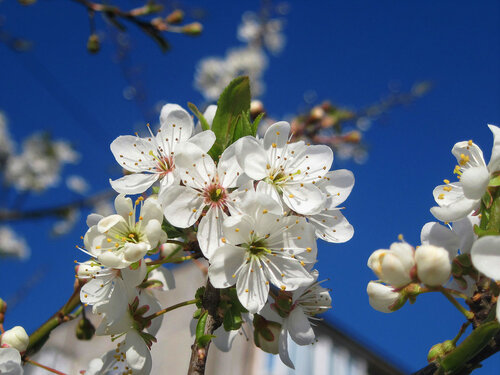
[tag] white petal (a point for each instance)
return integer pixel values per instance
(230, 173)
(203, 140)
(10, 362)
(109, 222)
(196, 168)
(473, 151)
(485, 254)
(332, 226)
(312, 161)
(475, 181)
(277, 136)
(251, 287)
(299, 327)
(123, 206)
(165, 276)
(337, 185)
(96, 290)
(269, 190)
(305, 200)
(494, 164)
(137, 352)
(251, 157)
(223, 339)
(438, 235)
(182, 206)
(465, 230)
(93, 219)
(109, 259)
(153, 233)
(134, 183)
(132, 153)
(134, 277)
(210, 231)
(151, 210)
(224, 264)
(456, 211)
(176, 123)
(132, 252)
(237, 229)
(283, 349)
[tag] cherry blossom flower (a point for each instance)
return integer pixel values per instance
(11, 244)
(10, 362)
(119, 240)
(152, 158)
(458, 199)
(288, 171)
(206, 185)
(305, 303)
(433, 265)
(384, 298)
(261, 247)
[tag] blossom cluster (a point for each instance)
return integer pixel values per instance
(460, 258)
(254, 211)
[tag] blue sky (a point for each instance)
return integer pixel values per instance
(347, 52)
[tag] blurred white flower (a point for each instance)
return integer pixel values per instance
(268, 32)
(77, 184)
(11, 244)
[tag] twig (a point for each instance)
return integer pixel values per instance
(199, 354)
(170, 308)
(50, 369)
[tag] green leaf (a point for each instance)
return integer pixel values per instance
(484, 232)
(203, 121)
(234, 100)
(494, 218)
(256, 122)
(172, 232)
(471, 346)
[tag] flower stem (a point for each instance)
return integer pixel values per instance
(170, 308)
(168, 260)
(468, 314)
(460, 333)
(43, 366)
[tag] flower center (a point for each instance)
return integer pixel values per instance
(257, 248)
(215, 195)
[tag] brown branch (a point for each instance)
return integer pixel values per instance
(199, 354)
(61, 210)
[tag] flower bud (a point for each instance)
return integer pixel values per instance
(177, 16)
(393, 266)
(256, 108)
(85, 329)
(93, 43)
(15, 338)
(3, 309)
(193, 29)
(433, 265)
(383, 298)
(440, 350)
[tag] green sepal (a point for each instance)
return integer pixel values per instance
(495, 181)
(484, 232)
(487, 199)
(135, 265)
(470, 347)
(151, 284)
(155, 189)
(494, 217)
(234, 100)
(203, 121)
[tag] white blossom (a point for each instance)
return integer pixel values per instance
(119, 240)
(382, 298)
(206, 185)
(152, 158)
(458, 199)
(287, 171)
(254, 31)
(11, 244)
(433, 265)
(261, 247)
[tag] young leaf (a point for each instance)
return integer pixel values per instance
(234, 100)
(256, 122)
(203, 121)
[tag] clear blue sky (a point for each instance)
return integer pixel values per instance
(347, 52)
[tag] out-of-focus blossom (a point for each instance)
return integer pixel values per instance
(6, 143)
(77, 184)
(269, 32)
(11, 244)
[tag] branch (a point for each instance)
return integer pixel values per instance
(61, 210)
(198, 353)
(41, 335)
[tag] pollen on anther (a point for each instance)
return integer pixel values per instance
(446, 181)
(223, 240)
(246, 290)
(274, 145)
(291, 196)
(308, 249)
(265, 211)
(194, 210)
(283, 287)
(237, 230)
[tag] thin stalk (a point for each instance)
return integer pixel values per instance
(468, 314)
(43, 366)
(170, 308)
(168, 260)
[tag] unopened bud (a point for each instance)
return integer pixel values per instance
(383, 298)
(256, 108)
(177, 16)
(193, 29)
(440, 350)
(26, 2)
(317, 113)
(85, 329)
(3, 309)
(353, 137)
(15, 338)
(433, 265)
(93, 43)
(393, 266)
